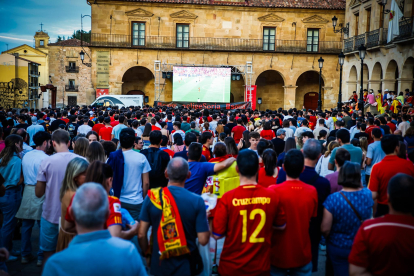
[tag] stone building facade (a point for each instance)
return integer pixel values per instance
(282, 40)
(69, 75)
(387, 65)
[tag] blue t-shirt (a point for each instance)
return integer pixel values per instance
(199, 173)
(345, 222)
(184, 155)
(193, 216)
(376, 153)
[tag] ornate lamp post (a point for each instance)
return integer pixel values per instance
(341, 58)
(320, 84)
(344, 30)
(362, 51)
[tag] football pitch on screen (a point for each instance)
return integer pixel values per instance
(203, 89)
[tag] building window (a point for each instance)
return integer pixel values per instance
(42, 43)
(381, 16)
(368, 27)
(72, 84)
(183, 35)
(72, 65)
(138, 33)
(356, 24)
(313, 40)
(269, 35)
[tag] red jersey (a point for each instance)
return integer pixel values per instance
(369, 131)
(105, 133)
(267, 134)
(265, 180)
(114, 218)
(383, 171)
(97, 127)
(112, 119)
(246, 216)
(312, 119)
(207, 153)
(66, 120)
(385, 245)
(114, 123)
(292, 247)
(392, 127)
(155, 128)
(238, 133)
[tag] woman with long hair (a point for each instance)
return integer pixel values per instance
(290, 143)
(145, 135)
(178, 143)
(343, 214)
(95, 152)
(363, 144)
(269, 173)
(322, 165)
(73, 179)
(11, 171)
(244, 141)
(92, 136)
(80, 147)
(219, 128)
(267, 132)
(231, 146)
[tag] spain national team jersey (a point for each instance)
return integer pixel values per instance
(246, 216)
(114, 218)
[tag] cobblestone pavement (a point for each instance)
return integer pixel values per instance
(30, 269)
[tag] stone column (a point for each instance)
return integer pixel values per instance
(388, 84)
(328, 98)
(405, 84)
(115, 88)
(375, 85)
(289, 97)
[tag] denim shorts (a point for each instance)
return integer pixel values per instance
(49, 233)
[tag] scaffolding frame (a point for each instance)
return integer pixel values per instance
(246, 71)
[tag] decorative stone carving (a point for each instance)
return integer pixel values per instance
(183, 14)
(271, 17)
(140, 13)
(315, 19)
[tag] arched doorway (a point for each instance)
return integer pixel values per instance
(308, 82)
(270, 88)
(352, 83)
(391, 76)
(138, 80)
(376, 77)
(310, 100)
(407, 75)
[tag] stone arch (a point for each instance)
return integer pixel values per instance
(377, 73)
(407, 74)
(391, 75)
(365, 71)
(138, 78)
(307, 82)
(352, 82)
(270, 88)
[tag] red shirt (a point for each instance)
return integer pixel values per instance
(292, 247)
(114, 123)
(383, 171)
(313, 120)
(105, 133)
(155, 128)
(209, 119)
(267, 134)
(112, 119)
(246, 215)
(392, 127)
(206, 152)
(385, 245)
(369, 131)
(97, 127)
(265, 180)
(114, 218)
(170, 152)
(66, 120)
(238, 133)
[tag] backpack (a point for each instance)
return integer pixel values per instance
(154, 160)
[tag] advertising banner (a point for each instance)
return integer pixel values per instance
(200, 105)
(101, 92)
(250, 95)
(102, 69)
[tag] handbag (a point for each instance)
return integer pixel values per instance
(353, 208)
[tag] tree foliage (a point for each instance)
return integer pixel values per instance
(86, 36)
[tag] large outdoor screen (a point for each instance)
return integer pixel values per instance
(202, 84)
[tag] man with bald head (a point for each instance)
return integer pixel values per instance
(94, 251)
(191, 221)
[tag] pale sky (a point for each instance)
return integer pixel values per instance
(20, 19)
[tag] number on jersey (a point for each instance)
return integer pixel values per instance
(253, 237)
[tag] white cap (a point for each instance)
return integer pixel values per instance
(386, 90)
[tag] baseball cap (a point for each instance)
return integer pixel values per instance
(47, 119)
(280, 131)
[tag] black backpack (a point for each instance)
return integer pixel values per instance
(153, 157)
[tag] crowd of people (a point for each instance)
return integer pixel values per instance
(142, 190)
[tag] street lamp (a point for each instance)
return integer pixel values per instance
(362, 50)
(259, 101)
(82, 55)
(320, 84)
(50, 79)
(342, 29)
(341, 59)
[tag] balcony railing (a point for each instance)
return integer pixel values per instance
(348, 45)
(406, 29)
(373, 38)
(72, 69)
(34, 73)
(71, 88)
(359, 40)
(210, 44)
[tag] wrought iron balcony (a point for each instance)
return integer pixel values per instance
(210, 44)
(71, 88)
(348, 45)
(71, 69)
(406, 29)
(373, 38)
(359, 40)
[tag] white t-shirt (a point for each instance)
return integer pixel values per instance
(135, 165)
(289, 132)
(30, 165)
(301, 130)
(84, 129)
